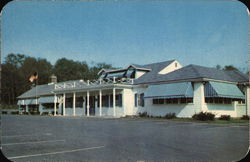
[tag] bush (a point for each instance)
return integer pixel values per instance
(170, 116)
(15, 112)
(45, 113)
(4, 112)
(203, 116)
(245, 117)
(35, 113)
(25, 113)
(144, 114)
(225, 117)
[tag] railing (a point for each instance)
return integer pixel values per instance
(83, 84)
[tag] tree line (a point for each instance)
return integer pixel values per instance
(16, 70)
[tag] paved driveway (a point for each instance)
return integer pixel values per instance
(47, 138)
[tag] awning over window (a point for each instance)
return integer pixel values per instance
(48, 99)
(117, 75)
(174, 90)
(226, 90)
(20, 102)
(30, 102)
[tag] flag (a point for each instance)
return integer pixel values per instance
(33, 77)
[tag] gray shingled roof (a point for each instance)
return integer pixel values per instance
(39, 91)
(191, 72)
(187, 72)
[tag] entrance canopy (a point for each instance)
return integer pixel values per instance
(173, 90)
(47, 99)
(225, 90)
(30, 102)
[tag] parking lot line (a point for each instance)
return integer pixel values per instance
(21, 143)
(24, 135)
(53, 153)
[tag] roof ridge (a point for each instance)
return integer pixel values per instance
(195, 70)
(159, 62)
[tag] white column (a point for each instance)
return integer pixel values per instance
(123, 106)
(114, 113)
(27, 108)
(100, 102)
(55, 104)
(87, 103)
(247, 101)
(64, 97)
(199, 97)
(74, 104)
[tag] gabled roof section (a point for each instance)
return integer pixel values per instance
(193, 72)
(44, 89)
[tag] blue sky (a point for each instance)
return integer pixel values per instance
(198, 32)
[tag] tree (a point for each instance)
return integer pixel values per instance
(66, 69)
(93, 71)
(16, 71)
(218, 67)
(230, 67)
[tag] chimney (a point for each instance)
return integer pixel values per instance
(52, 79)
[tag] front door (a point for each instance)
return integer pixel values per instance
(91, 105)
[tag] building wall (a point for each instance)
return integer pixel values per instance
(171, 68)
(248, 99)
(109, 111)
(181, 110)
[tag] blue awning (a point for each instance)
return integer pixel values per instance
(226, 90)
(30, 102)
(174, 90)
(20, 102)
(47, 99)
(117, 74)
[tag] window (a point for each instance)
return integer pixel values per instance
(111, 100)
(79, 101)
(118, 100)
(158, 101)
(105, 101)
(69, 102)
(136, 99)
(221, 100)
(49, 105)
(227, 101)
(141, 100)
(176, 64)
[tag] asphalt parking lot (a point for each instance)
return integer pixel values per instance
(48, 138)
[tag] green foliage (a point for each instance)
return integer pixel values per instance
(203, 116)
(143, 114)
(245, 117)
(225, 117)
(15, 112)
(230, 67)
(170, 116)
(17, 69)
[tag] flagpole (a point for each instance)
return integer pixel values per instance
(36, 87)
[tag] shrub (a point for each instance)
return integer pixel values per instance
(25, 113)
(35, 113)
(45, 113)
(245, 117)
(203, 116)
(170, 116)
(144, 114)
(15, 112)
(4, 112)
(225, 117)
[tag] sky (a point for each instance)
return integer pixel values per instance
(201, 32)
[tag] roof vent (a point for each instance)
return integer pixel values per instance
(52, 79)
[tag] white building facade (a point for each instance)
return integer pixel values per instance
(157, 89)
